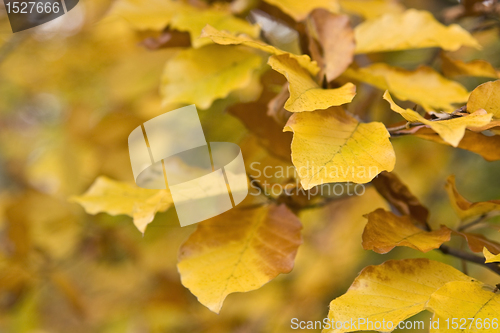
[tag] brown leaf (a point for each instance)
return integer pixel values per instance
(254, 116)
(477, 242)
(389, 186)
(336, 38)
(466, 209)
(384, 231)
(486, 146)
(276, 106)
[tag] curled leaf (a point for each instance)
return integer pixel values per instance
(490, 257)
(384, 231)
(451, 130)
(225, 38)
(115, 198)
(305, 93)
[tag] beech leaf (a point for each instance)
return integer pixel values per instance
(332, 146)
(305, 93)
(487, 97)
(372, 8)
(451, 130)
(116, 198)
(238, 251)
(412, 29)
(200, 76)
(225, 38)
(423, 85)
(455, 68)
(392, 291)
(490, 257)
(384, 231)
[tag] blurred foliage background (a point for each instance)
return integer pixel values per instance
(70, 93)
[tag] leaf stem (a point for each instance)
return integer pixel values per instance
(473, 223)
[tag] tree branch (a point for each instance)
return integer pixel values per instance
(469, 257)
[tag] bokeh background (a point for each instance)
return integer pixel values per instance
(70, 93)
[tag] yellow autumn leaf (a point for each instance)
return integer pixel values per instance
(225, 38)
(384, 231)
(391, 292)
(200, 76)
(412, 29)
(471, 300)
(332, 146)
(423, 85)
(454, 67)
(299, 10)
(156, 15)
(450, 130)
(238, 251)
(371, 8)
(466, 209)
(305, 93)
(490, 257)
(116, 198)
(486, 96)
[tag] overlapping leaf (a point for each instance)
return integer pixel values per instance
(305, 93)
(486, 146)
(335, 37)
(423, 86)
(384, 231)
(487, 97)
(156, 15)
(490, 257)
(224, 38)
(466, 209)
(332, 146)
(238, 251)
(115, 198)
(451, 130)
(469, 300)
(200, 76)
(409, 30)
(391, 292)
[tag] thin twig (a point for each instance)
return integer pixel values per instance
(469, 257)
(473, 223)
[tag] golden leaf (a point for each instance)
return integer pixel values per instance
(335, 35)
(200, 76)
(371, 8)
(466, 209)
(115, 198)
(423, 86)
(156, 15)
(305, 93)
(393, 291)
(412, 29)
(465, 299)
(384, 231)
(454, 67)
(332, 146)
(451, 130)
(224, 38)
(299, 10)
(238, 251)
(486, 96)
(490, 257)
